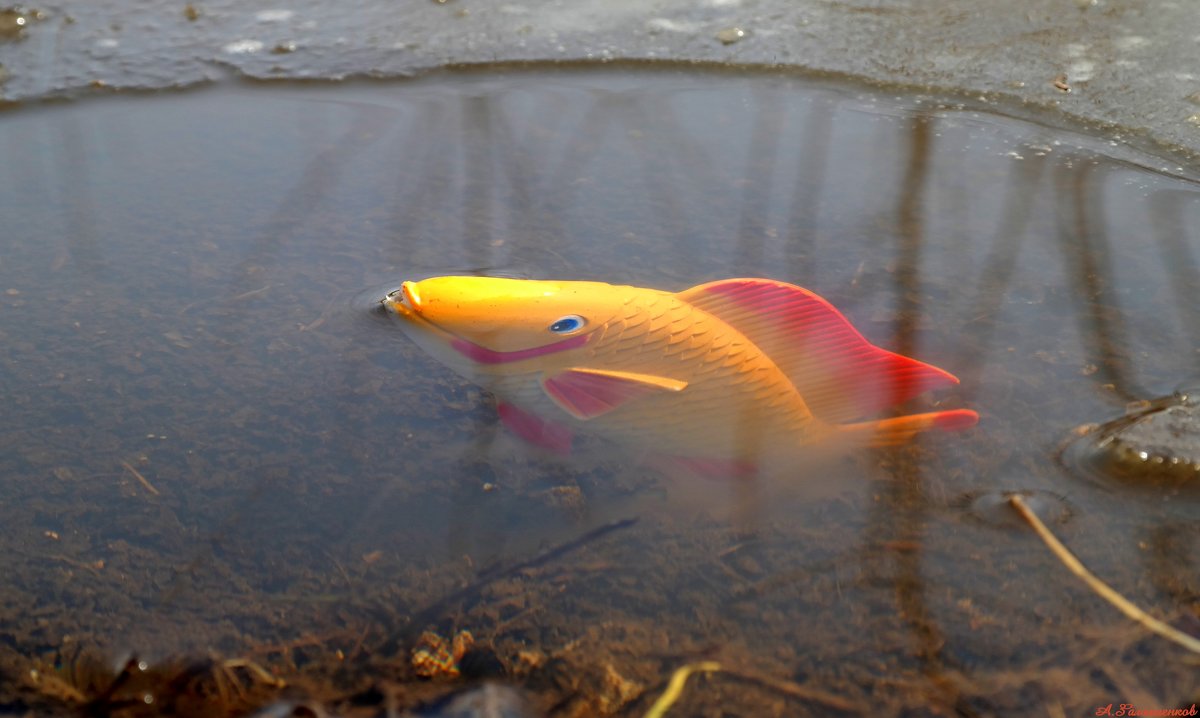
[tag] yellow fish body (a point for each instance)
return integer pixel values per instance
(731, 374)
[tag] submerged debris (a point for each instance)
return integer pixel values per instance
(178, 686)
(434, 656)
(1156, 442)
(14, 20)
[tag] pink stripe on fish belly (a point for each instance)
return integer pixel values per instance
(483, 355)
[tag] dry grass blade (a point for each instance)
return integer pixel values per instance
(675, 687)
(1076, 567)
(260, 673)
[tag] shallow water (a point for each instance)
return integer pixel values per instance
(211, 443)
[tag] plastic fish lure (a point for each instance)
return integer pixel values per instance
(725, 375)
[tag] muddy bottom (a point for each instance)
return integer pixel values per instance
(225, 481)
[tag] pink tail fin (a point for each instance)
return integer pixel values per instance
(840, 374)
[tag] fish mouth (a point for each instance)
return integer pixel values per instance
(403, 301)
(410, 295)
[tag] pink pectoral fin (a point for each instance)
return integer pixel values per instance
(535, 430)
(588, 393)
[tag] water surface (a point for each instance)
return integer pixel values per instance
(210, 443)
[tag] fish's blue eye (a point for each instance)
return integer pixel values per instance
(568, 324)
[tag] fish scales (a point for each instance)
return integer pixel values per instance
(728, 374)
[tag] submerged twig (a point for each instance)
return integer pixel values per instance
(94, 567)
(341, 569)
(792, 690)
(309, 641)
(244, 295)
(471, 591)
(141, 479)
(251, 293)
(262, 674)
(51, 685)
(1106, 592)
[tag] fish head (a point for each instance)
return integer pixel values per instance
(501, 325)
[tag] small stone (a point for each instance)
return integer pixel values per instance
(274, 15)
(243, 47)
(730, 35)
(1154, 443)
(434, 656)
(191, 13)
(13, 21)
(1195, 120)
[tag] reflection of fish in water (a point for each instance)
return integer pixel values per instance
(723, 376)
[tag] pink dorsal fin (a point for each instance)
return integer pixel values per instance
(588, 393)
(839, 374)
(535, 430)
